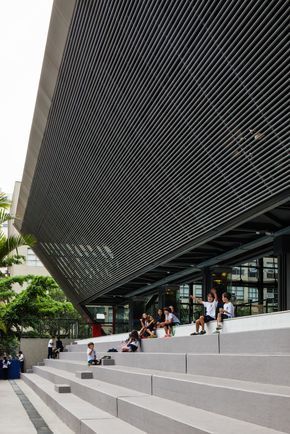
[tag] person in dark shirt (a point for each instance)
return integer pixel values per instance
(58, 347)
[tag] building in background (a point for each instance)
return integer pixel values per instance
(158, 160)
(31, 264)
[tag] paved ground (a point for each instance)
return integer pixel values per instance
(14, 418)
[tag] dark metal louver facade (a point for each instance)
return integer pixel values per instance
(168, 122)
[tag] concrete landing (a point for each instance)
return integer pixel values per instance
(14, 418)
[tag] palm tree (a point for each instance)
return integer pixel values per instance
(10, 244)
(4, 202)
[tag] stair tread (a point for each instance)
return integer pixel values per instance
(248, 386)
(90, 415)
(201, 419)
(104, 387)
(191, 416)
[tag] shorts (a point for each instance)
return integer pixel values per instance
(208, 318)
(225, 316)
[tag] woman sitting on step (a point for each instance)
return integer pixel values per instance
(133, 343)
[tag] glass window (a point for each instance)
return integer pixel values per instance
(197, 290)
(252, 272)
(253, 294)
(184, 291)
(239, 293)
(32, 260)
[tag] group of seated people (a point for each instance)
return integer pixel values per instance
(214, 310)
(166, 318)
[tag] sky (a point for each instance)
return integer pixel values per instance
(23, 32)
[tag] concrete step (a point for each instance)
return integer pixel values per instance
(80, 416)
(263, 404)
(127, 377)
(269, 368)
(148, 413)
(100, 346)
(102, 395)
(178, 344)
(272, 341)
(173, 362)
(156, 415)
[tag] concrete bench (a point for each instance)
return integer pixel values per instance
(62, 388)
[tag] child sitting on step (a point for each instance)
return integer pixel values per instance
(227, 311)
(91, 355)
(133, 343)
(210, 311)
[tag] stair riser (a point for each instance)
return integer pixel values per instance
(274, 341)
(102, 346)
(151, 422)
(134, 381)
(267, 410)
(261, 369)
(95, 397)
(165, 362)
(65, 415)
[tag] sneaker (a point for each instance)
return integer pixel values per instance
(219, 327)
(202, 332)
(194, 334)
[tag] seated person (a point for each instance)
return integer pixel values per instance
(227, 311)
(133, 343)
(151, 327)
(210, 311)
(144, 324)
(91, 355)
(170, 321)
(160, 318)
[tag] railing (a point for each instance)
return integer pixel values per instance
(191, 312)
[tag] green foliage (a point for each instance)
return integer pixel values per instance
(9, 345)
(41, 301)
(8, 245)
(4, 202)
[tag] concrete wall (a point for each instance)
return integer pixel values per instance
(35, 350)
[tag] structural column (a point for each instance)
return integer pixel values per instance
(282, 250)
(206, 282)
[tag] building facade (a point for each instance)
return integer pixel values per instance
(159, 152)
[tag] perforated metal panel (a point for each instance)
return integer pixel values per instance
(169, 119)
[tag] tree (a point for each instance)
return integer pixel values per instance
(9, 245)
(38, 305)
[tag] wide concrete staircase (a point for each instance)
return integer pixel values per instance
(235, 383)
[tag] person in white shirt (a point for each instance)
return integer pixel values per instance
(228, 310)
(21, 360)
(5, 367)
(210, 311)
(50, 347)
(170, 321)
(91, 355)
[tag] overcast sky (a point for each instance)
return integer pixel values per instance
(23, 32)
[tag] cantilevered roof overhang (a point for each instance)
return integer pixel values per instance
(159, 143)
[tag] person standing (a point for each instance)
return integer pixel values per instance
(50, 347)
(5, 366)
(58, 347)
(21, 360)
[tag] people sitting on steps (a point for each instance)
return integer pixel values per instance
(227, 311)
(171, 320)
(132, 344)
(91, 355)
(210, 311)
